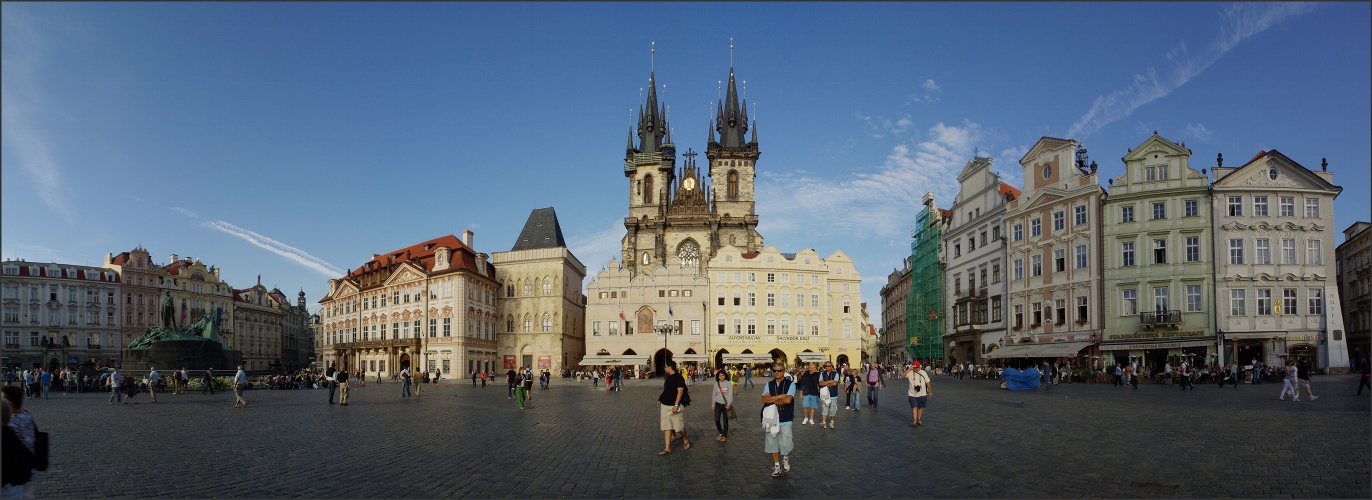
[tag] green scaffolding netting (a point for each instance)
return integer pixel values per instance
(924, 305)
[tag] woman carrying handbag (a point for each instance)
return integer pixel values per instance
(724, 404)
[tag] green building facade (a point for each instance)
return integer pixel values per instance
(924, 306)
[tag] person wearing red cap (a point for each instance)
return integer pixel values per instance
(919, 392)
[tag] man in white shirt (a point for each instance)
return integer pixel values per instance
(919, 392)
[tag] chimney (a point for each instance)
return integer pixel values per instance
(467, 235)
(173, 259)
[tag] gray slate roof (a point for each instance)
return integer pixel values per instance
(541, 231)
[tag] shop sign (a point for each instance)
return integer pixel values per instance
(545, 362)
(1307, 337)
(509, 361)
(756, 339)
(1156, 335)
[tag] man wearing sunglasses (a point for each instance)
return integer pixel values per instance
(779, 393)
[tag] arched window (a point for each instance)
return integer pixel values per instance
(547, 322)
(689, 253)
(528, 287)
(733, 185)
(645, 258)
(647, 189)
(528, 323)
(547, 286)
(509, 289)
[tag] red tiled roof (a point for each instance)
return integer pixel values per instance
(120, 259)
(1008, 189)
(174, 267)
(422, 255)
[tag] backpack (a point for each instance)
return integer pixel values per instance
(685, 393)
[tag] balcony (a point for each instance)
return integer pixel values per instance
(1160, 318)
(11, 345)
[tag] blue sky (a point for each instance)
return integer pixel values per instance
(294, 140)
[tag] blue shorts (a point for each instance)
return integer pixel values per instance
(809, 402)
(918, 402)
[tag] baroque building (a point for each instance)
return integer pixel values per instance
(59, 315)
(140, 293)
(1159, 272)
(974, 247)
(1053, 252)
(892, 335)
(1274, 263)
(1355, 287)
(430, 306)
(198, 291)
(541, 306)
(259, 322)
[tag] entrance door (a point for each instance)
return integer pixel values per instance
(1250, 351)
(1304, 353)
(404, 361)
(660, 360)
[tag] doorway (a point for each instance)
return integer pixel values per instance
(1249, 352)
(660, 360)
(404, 361)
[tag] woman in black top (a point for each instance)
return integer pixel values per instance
(18, 461)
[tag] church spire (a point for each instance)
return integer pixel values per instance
(732, 121)
(652, 121)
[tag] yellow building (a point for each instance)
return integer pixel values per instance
(542, 306)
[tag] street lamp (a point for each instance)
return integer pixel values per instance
(665, 329)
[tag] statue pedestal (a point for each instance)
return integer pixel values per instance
(174, 354)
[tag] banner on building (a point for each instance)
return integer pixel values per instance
(509, 361)
(545, 362)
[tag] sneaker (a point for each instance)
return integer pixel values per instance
(847, 407)
(776, 470)
(831, 424)
(786, 463)
(1314, 397)
(1295, 399)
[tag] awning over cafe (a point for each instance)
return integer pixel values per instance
(690, 358)
(598, 360)
(747, 358)
(1012, 351)
(813, 357)
(1060, 349)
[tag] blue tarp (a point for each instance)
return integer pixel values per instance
(1017, 380)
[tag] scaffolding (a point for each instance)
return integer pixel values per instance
(924, 305)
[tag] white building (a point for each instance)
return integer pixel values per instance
(543, 309)
(59, 315)
(1274, 246)
(975, 285)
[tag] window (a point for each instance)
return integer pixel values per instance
(1059, 261)
(1288, 206)
(995, 272)
(447, 327)
(1159, 210)
(528, 323)
(957, 284)
(1160, 295)
(738, 326)
(1035, 228)
(771, 300)
(847, 331)
(1127, 213)
(1018, 232)
(1192, 208)
(995, 309)
(1264, 301)
(752, 299)
(995, 231)
(1082, 309)
(1260, 206)
(1019, 269)
(1127, 254)
(1288, 251)
(771, 327)
(1312, 252)
(738, 277)
(752, 277)
(695, 327)
(785, 300)
(1037, 308)
(1160, 251)
(1149, 174)
(1193, 298)
(1288, 301)
(847, 307)
(1081, 256)
(547, 323)
(1312, 208)
(1262, 251)
(1162, 172)
(1236, 206)
(1036, 265)
(1237, 301)
(1059, 221)
(1236, 251)
(738, 299)
(971, 243)
(771, 277)
(1130, 302)
(957, 248)
(1316, 297)
(1080, 214)
(1019, 316)
(720, 298)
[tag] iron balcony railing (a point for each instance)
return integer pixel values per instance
(1169, 317)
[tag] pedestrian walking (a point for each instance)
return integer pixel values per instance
(778, 411)
(46, 380)
(113, 382)
(1118, 380)
(809, 390)
(875, 381)
(18, 459)
(21, 423)
(475, 376)
(510, 379)
(828, 395)
(240, 383)
(747, 376)
(1186, 376)
(343, 387)
(920, 390)
(1288, 385)
(331, 380)
(208, 379)
(1133, 372)
(1366, 371)
(670, 417)
(153, 377)
(521, 393)
(723, 399)
(483, 379)
(1303, 379)
(528, 383)
(185, 379)
(405, 382)
(378, 376)
(1257, 373)
(1046, 376)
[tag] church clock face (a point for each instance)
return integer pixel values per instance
(688, 184)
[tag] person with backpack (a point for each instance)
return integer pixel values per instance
(670, 403)
(405, 382)
(875, 381)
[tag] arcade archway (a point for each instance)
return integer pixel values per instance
(660, 360)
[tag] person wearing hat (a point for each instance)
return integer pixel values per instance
(919, 392)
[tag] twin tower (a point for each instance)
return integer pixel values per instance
(675, 212)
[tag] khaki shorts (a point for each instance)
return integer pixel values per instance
(669, 421)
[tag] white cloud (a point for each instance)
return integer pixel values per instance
(1238, 22)
(21, 105)
(596, 249)
(1199, 131)
(291, 253)
(881, 126)
(930, 85)
(185, 212)
(881, 204)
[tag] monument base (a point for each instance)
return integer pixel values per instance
(191, 354)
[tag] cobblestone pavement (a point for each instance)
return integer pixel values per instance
(978, 441)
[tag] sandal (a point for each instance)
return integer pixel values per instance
(664, 452)
(687, 447)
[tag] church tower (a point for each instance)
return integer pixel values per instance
(651, 169)
(733, 161)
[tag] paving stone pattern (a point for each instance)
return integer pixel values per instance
(979, 441)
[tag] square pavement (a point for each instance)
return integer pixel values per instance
(978, 441)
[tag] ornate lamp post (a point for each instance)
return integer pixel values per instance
(665, 329)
